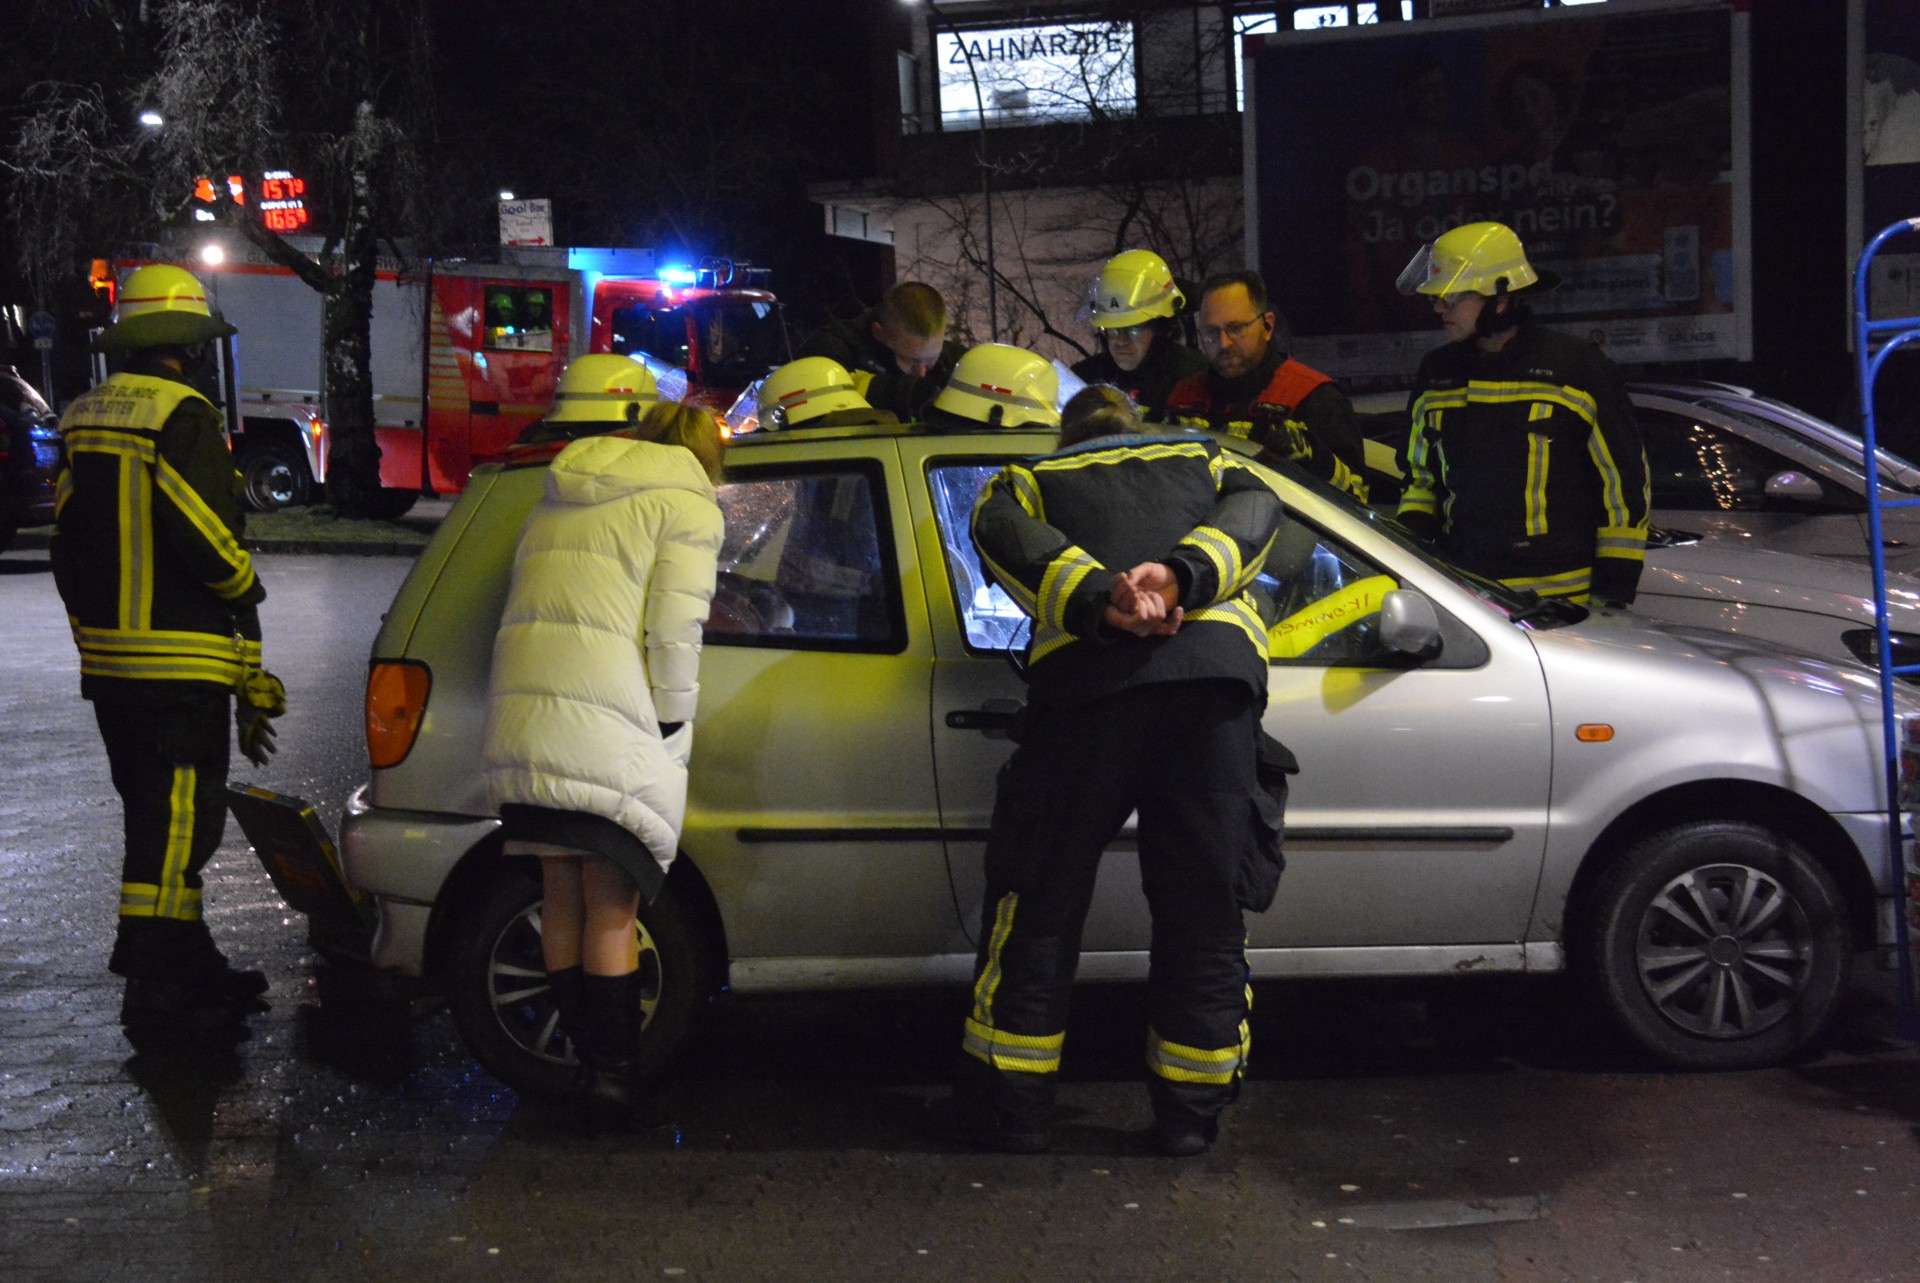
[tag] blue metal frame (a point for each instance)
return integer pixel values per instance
(1892, 334)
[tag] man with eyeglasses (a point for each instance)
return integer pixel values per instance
(1256, 391)
(1524, 462)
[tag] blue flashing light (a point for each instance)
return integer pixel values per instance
(678, 275)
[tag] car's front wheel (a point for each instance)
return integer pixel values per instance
(1718, 945)
(497, 986)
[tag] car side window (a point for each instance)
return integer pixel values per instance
(988, 617)
(1326, 600)
(1324, 597)
(804, 567)
(1701, 467)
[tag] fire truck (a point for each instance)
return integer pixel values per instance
(466, 354)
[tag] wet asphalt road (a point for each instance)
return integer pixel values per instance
(1481, 1131)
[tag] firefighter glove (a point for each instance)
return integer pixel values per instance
(263, 697)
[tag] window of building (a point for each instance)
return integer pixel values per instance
(1042, 74)
(519, 318)
(804, 566)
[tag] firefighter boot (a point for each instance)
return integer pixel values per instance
(608, 1093)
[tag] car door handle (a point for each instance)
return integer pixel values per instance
(484, 407)
(995, 719)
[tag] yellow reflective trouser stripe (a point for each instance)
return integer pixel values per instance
(1301, 631)
(171, 897)
(1015, 1053)
(1178, 1063)
(1572, 583)
(1537, 448)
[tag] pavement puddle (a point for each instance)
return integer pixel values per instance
(1443, 1213)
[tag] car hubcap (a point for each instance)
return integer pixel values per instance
(522, 1001)
(1724, 951)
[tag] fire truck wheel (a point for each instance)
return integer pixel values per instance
(274, 476)
(497, 986)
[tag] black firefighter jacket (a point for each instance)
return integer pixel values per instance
(1526, 467)
(1053, 532)
(146, 553)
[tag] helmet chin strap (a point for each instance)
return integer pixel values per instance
(1492, 321)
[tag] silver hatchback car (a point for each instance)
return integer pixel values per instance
(1693, 820)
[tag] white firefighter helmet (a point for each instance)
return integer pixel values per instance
(806, 389)
(1133, 288)
(1002, 386)
(603, 387)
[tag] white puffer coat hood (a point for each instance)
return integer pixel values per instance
(600, 640)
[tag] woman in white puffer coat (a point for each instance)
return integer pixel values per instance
(589, 717)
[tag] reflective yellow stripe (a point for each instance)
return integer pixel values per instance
(1218, 1066)
(1239, 612)
(1301, 631)
(1538, 446)
(1218, 549)
(1613, 488)
(1014, 1053)
(1345, 478)
(137, 900)
(1046, 641)
(1575, 584)
(989, 978)
(1541, 410)
(1629, 543)
(211, 529)
(172, 900)
(1121, 454)
(1057, 585)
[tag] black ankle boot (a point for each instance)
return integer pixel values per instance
(563, 986)
(608, 1093)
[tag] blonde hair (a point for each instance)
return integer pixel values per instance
(671, 423)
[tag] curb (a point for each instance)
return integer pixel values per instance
(42, 539)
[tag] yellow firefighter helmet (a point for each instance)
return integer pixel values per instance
(806, 389)
(603, 388)
(1002, 386)
(161, 305)
(1133, 288)
(1472, 258)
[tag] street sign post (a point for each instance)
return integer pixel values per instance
(41, 326)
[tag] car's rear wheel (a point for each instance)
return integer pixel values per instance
(497, 986)
(1718, 945)
(274, 476)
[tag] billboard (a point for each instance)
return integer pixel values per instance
(1612, 139)
(1884, 177)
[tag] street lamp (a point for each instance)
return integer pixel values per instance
(986, 175)
(506, 193)
(152, 119)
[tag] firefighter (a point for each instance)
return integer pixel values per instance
(816, 392)
(1145, 692)
(1524, 464)
(1001, 386)
(898, 353)
(164, 606)
(1256, 391)
(1133, 303)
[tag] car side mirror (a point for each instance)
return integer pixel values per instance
(1796, 486)
(1409, 624)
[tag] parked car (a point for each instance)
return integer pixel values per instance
(1730, 464)
(29, 456)
(1693, 820)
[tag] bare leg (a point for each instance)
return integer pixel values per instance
(562, 914)
(608, 946)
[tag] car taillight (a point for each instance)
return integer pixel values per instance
(396, 702)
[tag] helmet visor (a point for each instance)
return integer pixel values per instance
(1414, 278)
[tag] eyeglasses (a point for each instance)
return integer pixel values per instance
(1215, 335)
(1130, 333)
